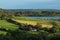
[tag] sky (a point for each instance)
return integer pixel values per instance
(30, 4)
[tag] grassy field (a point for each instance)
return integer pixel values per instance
(26, 19)
(5, 24)
(34, 21)
(3, 32)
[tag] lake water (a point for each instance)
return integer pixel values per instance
(46, 17)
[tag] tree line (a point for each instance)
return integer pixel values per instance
(28, 12)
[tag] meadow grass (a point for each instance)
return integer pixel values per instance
(5, 24)
(36, 21)
(3, 33)
(27, 19)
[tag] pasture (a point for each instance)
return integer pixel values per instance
(37, 21)
(7, 25)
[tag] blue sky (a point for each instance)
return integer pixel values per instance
(30, 4)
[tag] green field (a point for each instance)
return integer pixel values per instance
(27, 19)
(36, 20)
(33, 19)
(3, 32)
(5, 24)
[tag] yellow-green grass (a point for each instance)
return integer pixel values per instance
(3, 33)
(34, 21)
(5, 24)
(27, 19)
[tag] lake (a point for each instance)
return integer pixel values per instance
(46, 17)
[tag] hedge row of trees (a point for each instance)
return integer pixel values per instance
(28, 12)
(43, 34)
(36, 13)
